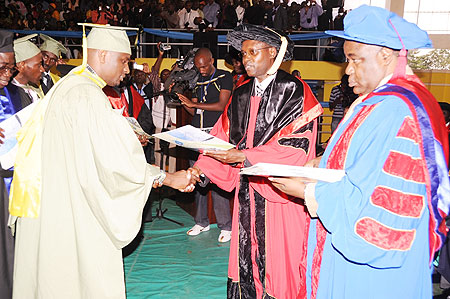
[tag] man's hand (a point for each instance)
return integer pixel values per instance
(158, 46)
(295, 186)
(142, 139)
(181, 180)
(185, 101)
(2, 136)
(230, 156)
(314, 162)
(195, 172)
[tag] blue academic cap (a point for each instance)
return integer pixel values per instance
(378, 26)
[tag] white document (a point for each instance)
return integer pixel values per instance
(193, 138)
(137, 127)
(280, 170)
(8, 150)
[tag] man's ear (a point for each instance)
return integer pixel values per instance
(273, 52)
(20, 66)
(101, 54)
(387, 55)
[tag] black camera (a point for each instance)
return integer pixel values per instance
(184, 76)
(308, 20)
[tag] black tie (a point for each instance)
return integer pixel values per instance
(48, 84)
(259, 92)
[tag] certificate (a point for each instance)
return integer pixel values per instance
(193, 138)
(280, 170)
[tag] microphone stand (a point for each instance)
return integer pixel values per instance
(163, 146)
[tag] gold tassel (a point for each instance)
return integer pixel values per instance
(85, 51)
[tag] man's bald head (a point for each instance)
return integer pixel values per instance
(204, 62)
(203, 52)
(109, 65)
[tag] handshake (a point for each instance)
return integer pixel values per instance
(182, 180)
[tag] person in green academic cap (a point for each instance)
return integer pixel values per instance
(29, 66)
(94, 183)
(51, 52)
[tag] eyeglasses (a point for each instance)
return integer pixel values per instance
(5, 68)
(252, 52)
(50, 59)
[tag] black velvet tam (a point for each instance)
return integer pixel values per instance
(259, 33)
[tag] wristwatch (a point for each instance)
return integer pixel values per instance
(162, 177)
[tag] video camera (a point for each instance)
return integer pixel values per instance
(184, 76)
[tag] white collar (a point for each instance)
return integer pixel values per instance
(143, 86)
(263, 85)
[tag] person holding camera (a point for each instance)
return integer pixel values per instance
(309, 15)
(210, 97)
(164, 118)
(102, 15)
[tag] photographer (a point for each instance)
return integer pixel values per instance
(210, 97)
(102, 15)
(309, 15)
(163, 117)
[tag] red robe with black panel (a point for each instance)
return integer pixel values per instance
(268, 235)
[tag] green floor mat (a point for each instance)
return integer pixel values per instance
(170, 264)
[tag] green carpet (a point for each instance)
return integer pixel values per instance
(170, 264)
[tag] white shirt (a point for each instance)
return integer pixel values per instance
(188, 17)
(142, 93)
(44, 77)
(240, 11)
(158, 112)
(264, 83)
(33, 94)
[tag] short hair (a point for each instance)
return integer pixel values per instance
(203, 52)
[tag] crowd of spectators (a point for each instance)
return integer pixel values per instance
(184, 14)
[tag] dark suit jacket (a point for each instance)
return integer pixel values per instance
(19, 97)
(280, 21)
(144, 115)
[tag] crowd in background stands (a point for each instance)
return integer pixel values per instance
(65, 14)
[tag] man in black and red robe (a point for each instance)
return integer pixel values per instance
(270, 118)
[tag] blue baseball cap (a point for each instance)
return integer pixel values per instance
(370, 25)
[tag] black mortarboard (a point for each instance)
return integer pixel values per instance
(6, 41)
(255, 32)
(266, 35)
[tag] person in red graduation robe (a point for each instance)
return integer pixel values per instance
(270, 118)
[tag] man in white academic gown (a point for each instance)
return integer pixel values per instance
(94, 184)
